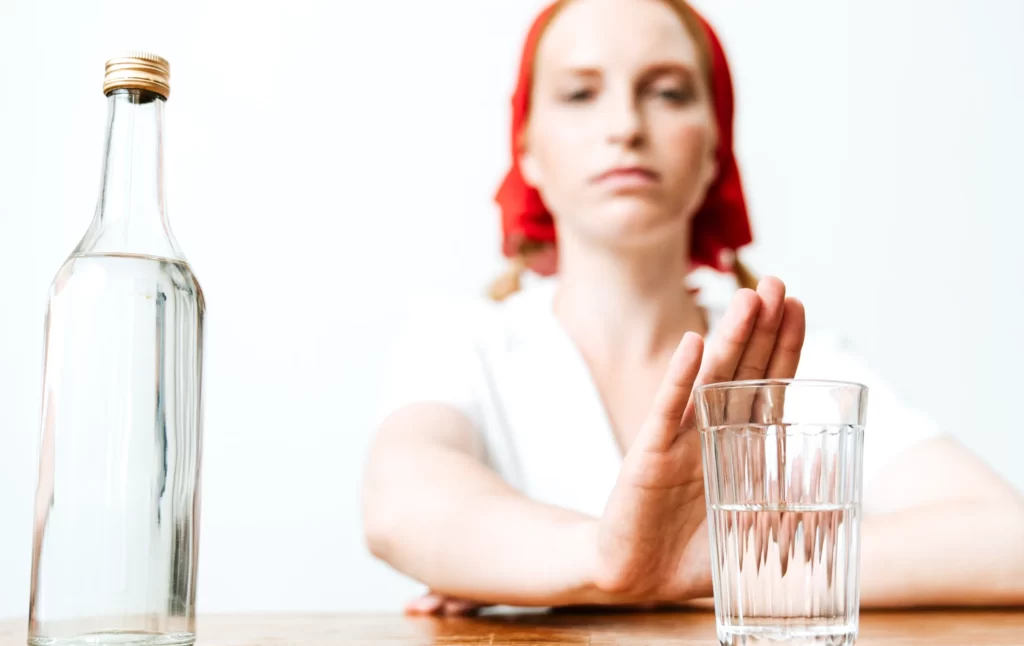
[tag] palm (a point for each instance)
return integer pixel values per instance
(653, 539)
(657, 503)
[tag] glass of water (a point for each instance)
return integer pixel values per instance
(783, 472)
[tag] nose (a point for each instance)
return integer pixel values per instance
(625, 121)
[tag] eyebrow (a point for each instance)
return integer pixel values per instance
(579, 71)
(649, 71)
(670, 67)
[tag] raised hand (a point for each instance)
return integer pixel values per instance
(652, 539)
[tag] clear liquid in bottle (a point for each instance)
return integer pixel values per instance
(117, 508)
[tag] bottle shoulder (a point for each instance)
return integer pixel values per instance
(84, 276)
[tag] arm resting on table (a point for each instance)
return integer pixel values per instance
(951, 533)
(434, 511)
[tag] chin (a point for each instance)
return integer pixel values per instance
(632, 221)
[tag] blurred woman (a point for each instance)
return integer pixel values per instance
(539, 450)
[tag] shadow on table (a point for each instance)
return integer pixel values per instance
(575, 626)
(601, 627)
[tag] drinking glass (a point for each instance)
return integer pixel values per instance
(783, 479)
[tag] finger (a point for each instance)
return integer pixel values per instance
(768, 405)
(725, 349)
(790, 342)
(459, 608)
(830, 545)
(815, 495)
(742, 537)
(786, 527)
(757, 458)
(428, 604)
(753, 363)
(814, 492)
(774, 526)
(810, 534)
(673, 395)
(731, 339)
(832, 492)
(763, 524)
(747, 532)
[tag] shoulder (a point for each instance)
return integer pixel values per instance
(445, 346)
(448, 351)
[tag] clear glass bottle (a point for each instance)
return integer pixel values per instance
(116, 531)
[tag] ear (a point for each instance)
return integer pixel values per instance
(528, 165)
(710, 166)
(710, 172)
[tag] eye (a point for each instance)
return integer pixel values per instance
(674, 95)
(675, 92)
(580, 95)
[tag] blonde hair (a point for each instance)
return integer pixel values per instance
(510, 281)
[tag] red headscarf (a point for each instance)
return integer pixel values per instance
(721, 223)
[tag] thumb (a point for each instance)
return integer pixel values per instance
(664, 422)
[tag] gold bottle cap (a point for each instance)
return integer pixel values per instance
(138, 71)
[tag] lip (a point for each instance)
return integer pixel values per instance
(628, 177)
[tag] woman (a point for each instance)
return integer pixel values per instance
(539, 451)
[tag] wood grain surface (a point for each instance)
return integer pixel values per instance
(938, 628)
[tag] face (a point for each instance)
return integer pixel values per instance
(621, 134)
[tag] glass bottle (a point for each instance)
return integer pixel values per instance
(116, 527)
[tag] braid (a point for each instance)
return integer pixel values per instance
(744, 277)
(510, 281)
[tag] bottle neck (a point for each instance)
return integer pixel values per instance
(131, 214)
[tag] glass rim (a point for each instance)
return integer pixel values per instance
(766, 383)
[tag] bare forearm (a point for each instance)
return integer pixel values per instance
(455, 526)
(954, 554)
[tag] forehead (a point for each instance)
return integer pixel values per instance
(615, 34)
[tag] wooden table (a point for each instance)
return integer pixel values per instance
(681, 629)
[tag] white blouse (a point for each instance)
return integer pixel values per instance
(513, 371)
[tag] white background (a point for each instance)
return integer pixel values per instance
(328, 161)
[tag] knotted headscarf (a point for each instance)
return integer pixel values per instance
(721, 224)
